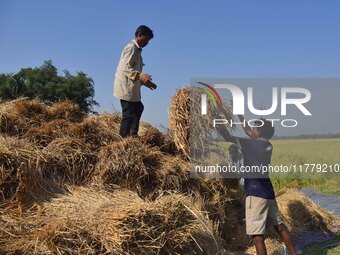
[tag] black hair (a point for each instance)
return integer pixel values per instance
(144, 30)
(233, 148)
(267, 130)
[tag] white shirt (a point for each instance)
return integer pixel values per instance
(127, 83)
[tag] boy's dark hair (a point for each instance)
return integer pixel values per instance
(267, 130)
(144, 30)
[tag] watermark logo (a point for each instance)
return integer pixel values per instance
(238, 99)
(226, 116)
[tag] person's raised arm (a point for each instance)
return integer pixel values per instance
(223, 131)
(247, 129)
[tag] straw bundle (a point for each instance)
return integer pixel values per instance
(192, 132)
(127, 225)
(179, 116)
(69, 160)
(153, 137)
(33, 110)
(150, 134)
(9, 124)
(174, 175)
(19, 115)
(129, 163)
(48, 131)
(65, 110)
(223, 199)
(133, 164)
(98, 130)
(300, 214)
(20, 173)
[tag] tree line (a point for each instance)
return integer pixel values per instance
(44, 83)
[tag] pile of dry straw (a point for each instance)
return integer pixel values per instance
(69, 184)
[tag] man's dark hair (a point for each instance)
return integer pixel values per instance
(267, 130)
(144, 30)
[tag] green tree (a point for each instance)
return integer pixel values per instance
(44, 83)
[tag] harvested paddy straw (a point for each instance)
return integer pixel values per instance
(98, 130)
(301, 214)
(65, 110)
(90, 221)
(134, 165)
(21, 181)
(48, 131)
(129, 163)
(70, 160)
(18, 116)
(153, 137)
(150, 134)
(142, 198)
(190, 129)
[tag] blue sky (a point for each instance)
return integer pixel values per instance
(192, 39)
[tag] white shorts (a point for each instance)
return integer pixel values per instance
(260, 214)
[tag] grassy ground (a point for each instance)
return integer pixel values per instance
(316, 151)
(324, 186)
(324, 151)
(306, 151)
(300, 151)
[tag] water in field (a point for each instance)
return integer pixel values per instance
(329, 202)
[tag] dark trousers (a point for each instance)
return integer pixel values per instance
(132, 111)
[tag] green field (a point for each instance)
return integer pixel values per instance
(305, 151)
(308, 151)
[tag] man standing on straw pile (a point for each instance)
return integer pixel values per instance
(129, 79)
(261, 207)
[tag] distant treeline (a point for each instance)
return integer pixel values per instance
(312, 136)
(44, 83)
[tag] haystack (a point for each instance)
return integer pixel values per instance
(301, 214)
(224, 202)
(166, 212)
(33, 110)
(90, 221)
(135, 165)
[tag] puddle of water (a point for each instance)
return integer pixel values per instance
(329, 202)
